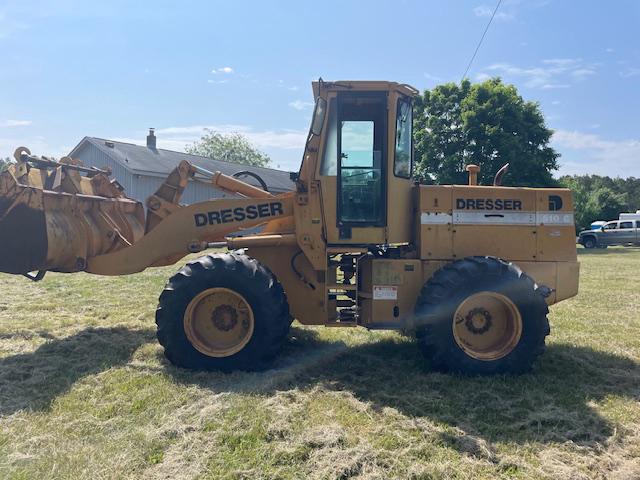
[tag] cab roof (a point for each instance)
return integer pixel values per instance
(363, 85)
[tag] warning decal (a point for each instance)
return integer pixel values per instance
(385, 293)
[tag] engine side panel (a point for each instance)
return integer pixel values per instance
(533, 228)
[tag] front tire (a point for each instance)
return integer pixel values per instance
(481, 316)
(223, 312)
(590, 242)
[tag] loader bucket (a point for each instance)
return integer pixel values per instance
(56, 215)
(23, 238)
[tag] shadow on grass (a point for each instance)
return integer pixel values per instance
(551, 404)
(33, 380)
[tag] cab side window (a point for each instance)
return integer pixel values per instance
(329, 165)
(611, 226)
(404, 120)
(637, 223)
(626, 224)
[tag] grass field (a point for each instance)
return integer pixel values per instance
(86, 393)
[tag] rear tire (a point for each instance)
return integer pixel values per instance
(223, 279)
(439, 322)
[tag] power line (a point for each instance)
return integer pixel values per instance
(495, 10)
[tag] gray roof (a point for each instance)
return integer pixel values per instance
(159, 162)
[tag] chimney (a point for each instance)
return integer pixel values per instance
(151, 139)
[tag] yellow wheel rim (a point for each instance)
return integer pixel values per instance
(487, 326)
(218, 322)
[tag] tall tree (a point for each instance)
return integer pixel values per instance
(488, 124)
(228, 147)
(601, 198)
(4, 163)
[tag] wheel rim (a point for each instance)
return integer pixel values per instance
(219, 322)
(487, 326)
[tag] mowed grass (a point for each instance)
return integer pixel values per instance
(85, 392)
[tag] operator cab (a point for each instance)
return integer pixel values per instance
(364, 161)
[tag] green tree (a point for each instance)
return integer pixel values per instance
(601, 198)
(4, 163)
(488, 124)
(228, 147)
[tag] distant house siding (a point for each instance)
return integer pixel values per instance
(139, 186)
(144, 186)
(93, 157)
(198, 191)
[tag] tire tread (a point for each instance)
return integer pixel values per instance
(440, 296)
(217, 270)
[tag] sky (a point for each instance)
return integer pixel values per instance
(70, 69)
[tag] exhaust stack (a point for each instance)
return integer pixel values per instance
(473, 174)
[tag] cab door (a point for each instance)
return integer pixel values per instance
(353, 168)
(362, 139)
(365, 168)
(626, 232)
(610, 234)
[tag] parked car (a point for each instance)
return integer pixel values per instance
(616, 232)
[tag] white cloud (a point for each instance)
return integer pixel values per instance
(300, 105)
(217, 81)
(561, 62)
(630, 72)
(533, 77)
(583, 72)
(482, 11)
(15, 123)
(223, 70)
(551, 86)
(590, 153)
(432, 78)
(609, 50)
(37, 144)
(284, 139)
(176, 138)
(549, 74)
(486, 11)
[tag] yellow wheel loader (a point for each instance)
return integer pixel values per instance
(469, 270)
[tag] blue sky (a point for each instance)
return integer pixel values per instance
(113, 69)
